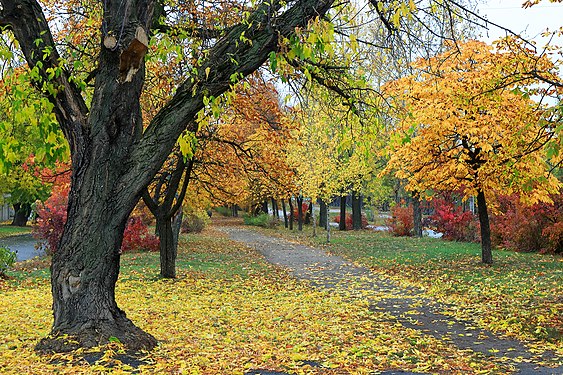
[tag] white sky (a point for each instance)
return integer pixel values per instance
(529, 22)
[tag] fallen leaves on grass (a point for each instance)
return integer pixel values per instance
(227, 318)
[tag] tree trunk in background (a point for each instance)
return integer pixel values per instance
(417, 214)
(342, 224)
(264, 208)
(356, 210)
(275, 211)
(291, 217)
(323, 214)
(285, 221)
(21, 214)
(234, 210)
(300, 213)
(168, 252)
(486, 249)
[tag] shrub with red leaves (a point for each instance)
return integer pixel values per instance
(349, 225)
(528, 228)
(401, 221)
(137, 237)
(52, 217)
(454, 223)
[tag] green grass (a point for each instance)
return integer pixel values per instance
(8, 230)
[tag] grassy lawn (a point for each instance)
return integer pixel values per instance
(8, 230)
(227, 312)
(520, 295)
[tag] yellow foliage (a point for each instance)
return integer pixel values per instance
(466, 121)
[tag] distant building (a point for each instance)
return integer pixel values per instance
(6, 210)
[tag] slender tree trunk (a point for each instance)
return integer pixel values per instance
(356, 211)
(21, 214)
(264, 208)
(300, 213)
(342, 224)
(291, 217)
(323, 214)
(327, 230)
(168, 252)
(234, 210)
(313, 219)
(275, 212)
(486, 249)
(417, 214)
(285, 221)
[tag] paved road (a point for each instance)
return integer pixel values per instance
(327, 271)
(24, 245)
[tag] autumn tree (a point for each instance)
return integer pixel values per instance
(113, 159)
(466, 121)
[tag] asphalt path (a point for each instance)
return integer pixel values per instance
(24, 245)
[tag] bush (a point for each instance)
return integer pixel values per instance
(52, 217)
(137, 237)
(454, 223)
(194, 222)
(7, 260)
(304, 209)
(528, 228)
(262, 220)
(401, 221)
(349, 225)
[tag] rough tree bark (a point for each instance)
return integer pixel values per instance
(486, 249)
(113, 159)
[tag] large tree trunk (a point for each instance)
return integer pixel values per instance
(486, 249)
(21, 214)
(113, 159)
(356, 211)
(417, 215)
(342, 224)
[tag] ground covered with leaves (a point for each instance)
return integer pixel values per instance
(228, 312)
(520, 295)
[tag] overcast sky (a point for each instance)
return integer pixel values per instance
(530, 22)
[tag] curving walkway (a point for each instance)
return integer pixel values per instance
(327, 271)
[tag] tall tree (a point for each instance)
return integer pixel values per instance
(113, 159)
(467, 122)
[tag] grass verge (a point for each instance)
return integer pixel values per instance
(519, 295)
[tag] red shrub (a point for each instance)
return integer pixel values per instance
(401, 221)
(528, 228)
(454, 223)
(52, 216)
(349, 224)
(137, 237)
